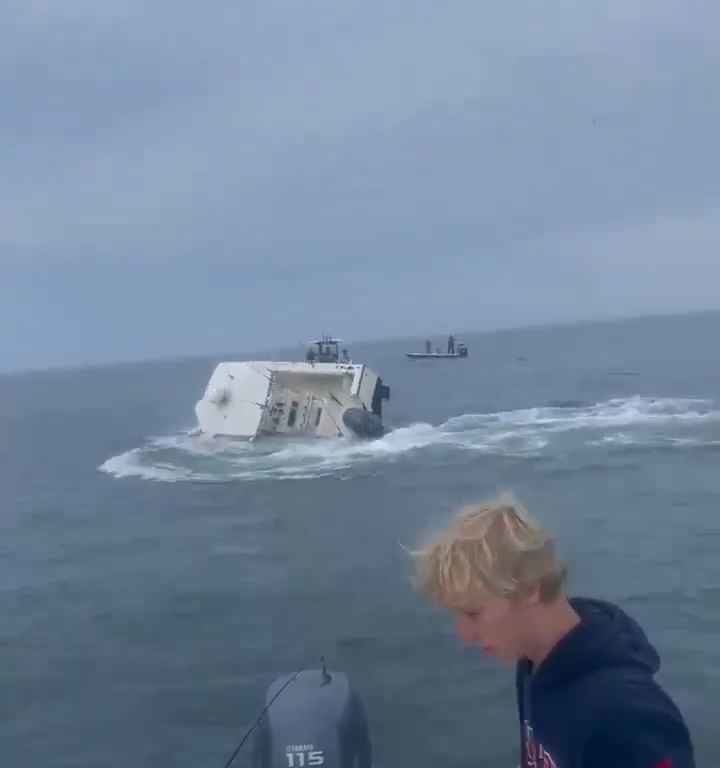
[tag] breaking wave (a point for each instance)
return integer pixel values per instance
(622, 422)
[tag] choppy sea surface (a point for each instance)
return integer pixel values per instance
(155, 583)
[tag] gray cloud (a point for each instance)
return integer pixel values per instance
(254, 150)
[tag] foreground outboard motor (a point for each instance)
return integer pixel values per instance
(317, 720)
(363, 423)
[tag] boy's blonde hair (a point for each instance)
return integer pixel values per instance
(491, 548)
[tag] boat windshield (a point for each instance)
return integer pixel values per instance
(325, 350)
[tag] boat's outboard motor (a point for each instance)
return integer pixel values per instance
(363, 423)
(382, 392)
(317, 721)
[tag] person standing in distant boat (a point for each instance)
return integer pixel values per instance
(451, 345)
(428, 346)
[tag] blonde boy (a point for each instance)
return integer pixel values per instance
(586, 691)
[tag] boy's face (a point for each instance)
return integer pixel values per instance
(496, 624)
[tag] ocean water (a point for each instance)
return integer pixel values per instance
(154, 584)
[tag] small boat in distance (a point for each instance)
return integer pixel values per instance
(455, 349)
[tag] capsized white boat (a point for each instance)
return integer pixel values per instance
(325, 396)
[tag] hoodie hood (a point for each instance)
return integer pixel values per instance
(605, 637)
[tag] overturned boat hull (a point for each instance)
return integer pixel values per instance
(257, 398)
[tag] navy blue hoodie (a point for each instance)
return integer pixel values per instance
(594, 701)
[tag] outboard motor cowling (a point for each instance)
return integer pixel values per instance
(318, 721)
(382, 392)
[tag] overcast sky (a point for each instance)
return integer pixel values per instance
(180, 178)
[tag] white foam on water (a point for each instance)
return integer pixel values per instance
(133, 464)
(618, 438)
(641, 421)
(654, 441)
